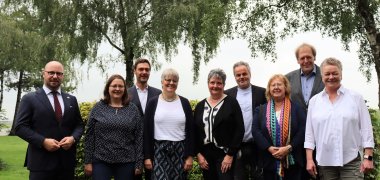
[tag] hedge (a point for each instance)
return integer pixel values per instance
(195, 173)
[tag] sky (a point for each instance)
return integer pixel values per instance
(229, 52)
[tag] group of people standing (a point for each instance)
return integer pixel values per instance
(303, 125)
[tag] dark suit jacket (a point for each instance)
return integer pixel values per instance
(264, 141)
(149, 128)
(258, 96)
(228, 129)
(36, 121)
(132, 91)
(294, 78)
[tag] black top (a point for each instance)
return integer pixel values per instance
(264, 141)
(114, 135)
(228, 129)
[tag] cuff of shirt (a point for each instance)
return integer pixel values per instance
(309, 145)
(368, 144)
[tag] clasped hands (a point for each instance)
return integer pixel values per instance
(279, 152)
(52, 145)
(225, 166)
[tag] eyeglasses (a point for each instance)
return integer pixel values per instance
(52, 73)
(171, 80)
(117, 86)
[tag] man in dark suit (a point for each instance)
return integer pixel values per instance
(305, 82)
(140, 93)
(49, 120)
(249, 97)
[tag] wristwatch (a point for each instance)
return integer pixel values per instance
(368, 157)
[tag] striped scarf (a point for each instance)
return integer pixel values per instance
(280, 132)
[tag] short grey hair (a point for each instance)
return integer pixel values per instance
(169, 72)
(242, 63)
(218, 73)
(332, 61)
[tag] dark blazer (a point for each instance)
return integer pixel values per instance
(36, 121)
(150, 111)
(258, 96)
(132, 91)
(294, 78)
(264, 141)
(228, 129)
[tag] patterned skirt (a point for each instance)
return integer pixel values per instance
(168, 160)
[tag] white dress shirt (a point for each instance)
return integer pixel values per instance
(244, 97)
(339, 130)
(143, 97)
(51, 98)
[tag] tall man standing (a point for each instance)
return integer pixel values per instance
(49, 120)
(140, 93)
(306, 81)
(249, 97)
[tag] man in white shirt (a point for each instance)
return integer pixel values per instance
(339, 126)
(140, 93)
(249, 97)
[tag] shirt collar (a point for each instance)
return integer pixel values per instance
(340, 91)
(246, 89)
(146, 88)
(48, 91)
(312, 73)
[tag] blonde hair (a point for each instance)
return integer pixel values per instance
(286, 84)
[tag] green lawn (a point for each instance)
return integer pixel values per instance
(12, 153)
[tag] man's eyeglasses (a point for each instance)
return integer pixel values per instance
(52, 73)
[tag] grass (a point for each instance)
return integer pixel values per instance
(12, 154)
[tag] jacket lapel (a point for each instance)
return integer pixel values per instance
(43, 98)
(66, 103)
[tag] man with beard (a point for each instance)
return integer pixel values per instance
(140, 93)
(49, 120)
(249, 97)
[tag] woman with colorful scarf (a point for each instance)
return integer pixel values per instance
(279, 130)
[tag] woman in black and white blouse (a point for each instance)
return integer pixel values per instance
(168, 132)
(219, 129)
(113, 142)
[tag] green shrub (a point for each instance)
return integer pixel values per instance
(2, 165)
(85, 108)
(375, 174)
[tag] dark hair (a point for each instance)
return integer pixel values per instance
(106, 94)
(140, 60)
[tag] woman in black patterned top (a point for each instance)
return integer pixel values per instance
(113, 141)
(219, 129)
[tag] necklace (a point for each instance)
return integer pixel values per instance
(169, 99)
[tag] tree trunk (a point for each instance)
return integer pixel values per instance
(128, 57)
(1, 88)
(373, 36)
(19, 91)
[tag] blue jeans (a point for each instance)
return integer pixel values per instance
(105, 171)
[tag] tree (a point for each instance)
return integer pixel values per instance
(136, 27)
(25, 49)
(264, 22)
